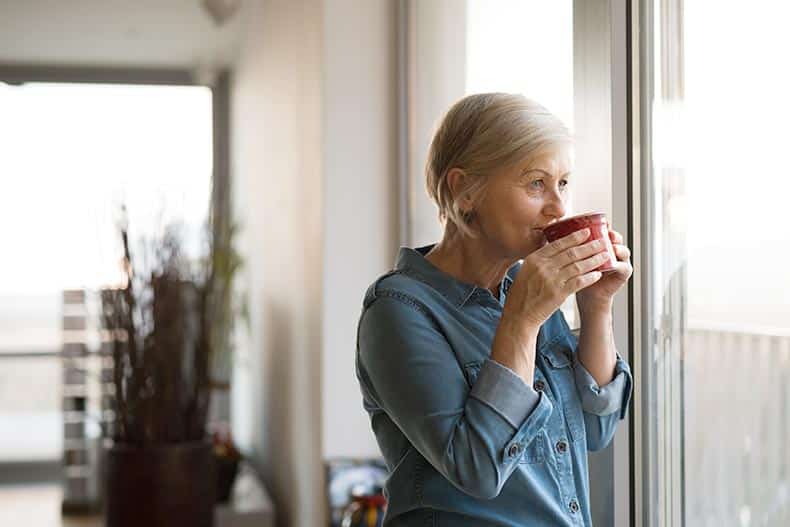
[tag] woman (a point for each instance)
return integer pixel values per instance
(483, 402)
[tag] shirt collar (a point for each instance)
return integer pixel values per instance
(413, 263)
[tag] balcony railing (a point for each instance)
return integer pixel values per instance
(737, 426)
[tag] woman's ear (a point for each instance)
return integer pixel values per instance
(457, 181)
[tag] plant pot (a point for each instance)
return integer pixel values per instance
(170, 486)
(227, 468)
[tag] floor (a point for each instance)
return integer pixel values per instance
(36, 505)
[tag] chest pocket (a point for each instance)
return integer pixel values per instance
(560, 362)
(535, 451)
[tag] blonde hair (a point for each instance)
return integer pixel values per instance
(481, 133)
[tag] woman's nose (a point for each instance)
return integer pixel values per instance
(555, 206)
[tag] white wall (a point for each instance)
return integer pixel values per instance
(315, 187)
(360, 199)
(439, 41)
(276, 169)
(592, 107)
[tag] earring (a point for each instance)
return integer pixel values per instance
(468, 215)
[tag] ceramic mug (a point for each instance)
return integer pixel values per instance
(596, 222)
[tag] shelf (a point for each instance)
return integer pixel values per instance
(78, 472)
(76, 444)
(73, 417)
(74, 349)
(74, 390)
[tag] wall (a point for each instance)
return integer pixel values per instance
(360, 199)
(438, 51)
(276, 165)
(314, 172)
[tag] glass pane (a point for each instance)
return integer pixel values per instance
(719, 409)
(737, 342)
(71, 155)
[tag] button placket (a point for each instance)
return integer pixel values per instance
(564, 469)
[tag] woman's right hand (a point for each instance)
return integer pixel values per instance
(551, 274)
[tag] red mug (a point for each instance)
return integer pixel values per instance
(596, 222)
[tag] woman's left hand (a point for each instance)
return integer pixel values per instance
(599, 295)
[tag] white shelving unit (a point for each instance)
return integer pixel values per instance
(86, 402)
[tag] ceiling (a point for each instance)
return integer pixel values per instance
(139, 33)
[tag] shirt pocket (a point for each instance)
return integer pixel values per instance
(560, 364)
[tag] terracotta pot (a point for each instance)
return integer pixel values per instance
(170, 486)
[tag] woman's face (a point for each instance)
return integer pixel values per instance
(520, 200)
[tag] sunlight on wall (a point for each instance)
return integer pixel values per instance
(523, 46)
(526, 47)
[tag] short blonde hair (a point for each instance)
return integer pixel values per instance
(481, 133)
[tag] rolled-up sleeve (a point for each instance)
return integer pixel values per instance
(505, 392)
(607, 399)
(473, 436)
(604, 405)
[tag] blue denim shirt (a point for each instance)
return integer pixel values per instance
(466, 440)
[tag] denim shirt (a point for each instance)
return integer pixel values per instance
(466, 440)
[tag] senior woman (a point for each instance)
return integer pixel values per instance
(482, 400)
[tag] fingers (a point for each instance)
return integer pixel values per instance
(624, 268)
(622, 252)
(581, 267)
(571, 240)
(580, 282)
(616, 237)
(579, 252)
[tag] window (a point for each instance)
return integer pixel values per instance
(71, 155)
(719, 372)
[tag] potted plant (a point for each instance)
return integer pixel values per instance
(168, 325)
(226, 458)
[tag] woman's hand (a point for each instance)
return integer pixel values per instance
(550, 275)
(598, 297)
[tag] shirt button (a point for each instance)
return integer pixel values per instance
(514, 450)
(562, 447)
(574, 506)
(539, 385)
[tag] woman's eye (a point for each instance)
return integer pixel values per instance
(538, 184)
